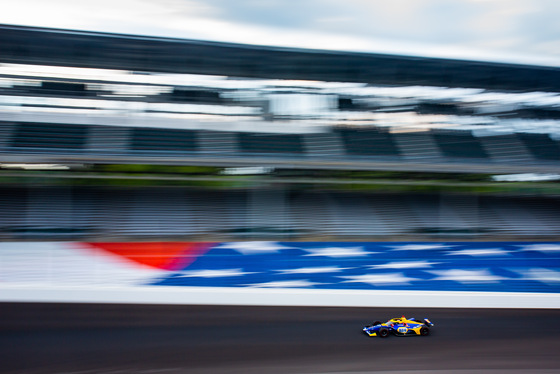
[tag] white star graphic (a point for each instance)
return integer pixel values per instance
(466, 276)
(541, 247)
(313, 270)
(543, 275)
(419, 247)
(337, 252)
(213, 273)
(480, 252)
(284, 284)
(379, 279)
(404, 265)
(252, 248)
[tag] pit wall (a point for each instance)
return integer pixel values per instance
(363, 274)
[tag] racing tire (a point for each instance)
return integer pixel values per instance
(376, 323)
(424, 331)
(383, 333)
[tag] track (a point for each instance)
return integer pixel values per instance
(66, 338)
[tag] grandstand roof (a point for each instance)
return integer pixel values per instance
(32, 45)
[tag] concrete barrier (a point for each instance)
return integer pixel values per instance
(454, 275)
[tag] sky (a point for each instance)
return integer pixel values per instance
(516, 31)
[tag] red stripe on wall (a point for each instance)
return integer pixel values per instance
(160, 255)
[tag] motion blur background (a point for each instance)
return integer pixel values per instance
(331, 128)
(137, 136)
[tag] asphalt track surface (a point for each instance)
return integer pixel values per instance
(91, 338)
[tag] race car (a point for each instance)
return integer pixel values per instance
(399, 326)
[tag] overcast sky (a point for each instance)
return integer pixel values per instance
(519, 31)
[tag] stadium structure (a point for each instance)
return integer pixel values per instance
(285, 133)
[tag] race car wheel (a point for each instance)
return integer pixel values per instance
(424, 331)
(376, 323)
(383, 333)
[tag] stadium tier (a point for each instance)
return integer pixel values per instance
(341, 148)
(92, 98)
(211, 214)
(89, 97)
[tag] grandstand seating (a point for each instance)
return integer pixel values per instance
(163, 140)
(302, 203)
(270, 143)
(211, 217)
(58, 136)
(323, 145)
(368, 142)
(514, 153)
(417, 145)
(505, 148)
(541, 146)
(159, 212)
(352, 216)
(365, 112)
(108, 139)
(6, 130)
(13, 208)
(168, 212)
(459, 144)
(217, 142)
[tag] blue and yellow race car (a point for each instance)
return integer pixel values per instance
(399, 326)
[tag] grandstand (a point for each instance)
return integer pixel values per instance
(81, 98)
(52, 212)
